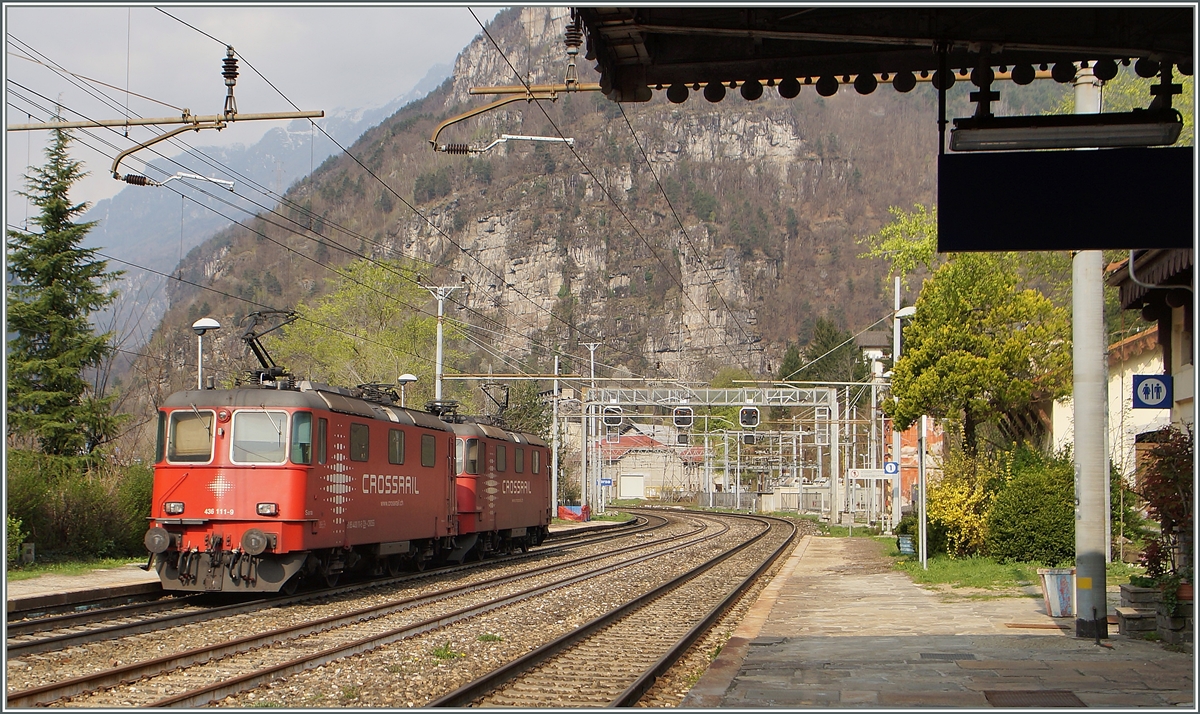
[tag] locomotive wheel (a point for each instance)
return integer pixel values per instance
(524, 545)
(477, 553)
(394, 566)
(331, 579)
(290, 587)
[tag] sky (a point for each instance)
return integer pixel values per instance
(320, 57)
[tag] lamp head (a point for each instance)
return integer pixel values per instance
(205, 324)
(406, 378)
(906, 312)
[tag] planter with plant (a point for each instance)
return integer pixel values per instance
(1167, 487)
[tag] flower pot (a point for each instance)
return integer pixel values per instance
(1184, 592)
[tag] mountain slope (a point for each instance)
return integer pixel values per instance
(771, 195)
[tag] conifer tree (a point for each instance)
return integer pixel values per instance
(54, 286)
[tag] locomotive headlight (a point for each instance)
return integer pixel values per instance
(173, 508)
(268, 509)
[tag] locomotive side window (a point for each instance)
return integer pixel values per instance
(322, 429)
(537, 458)
(519, 460)
(302, 438)
(190, 437)
(161, 442)
(259, 437)
(428, 450)
(501, 458)
(472, 460)
(395, 446)
(360, 445)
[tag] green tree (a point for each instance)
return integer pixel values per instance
(55, 287)
(909, 241)
(831, 356)
(365, 330)
(527, 411)
(980, 348)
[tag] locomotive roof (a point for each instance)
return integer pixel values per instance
(494, 432)
(310, 395)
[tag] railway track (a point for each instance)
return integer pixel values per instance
(649, 632)
(325, 638)
(99, 623)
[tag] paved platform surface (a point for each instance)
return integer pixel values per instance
(838, 627)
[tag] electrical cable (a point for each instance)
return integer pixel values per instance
(603, 188)
(412, 208)
(695, 251)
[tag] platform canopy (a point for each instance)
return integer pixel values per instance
(639, 47)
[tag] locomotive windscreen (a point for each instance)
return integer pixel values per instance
(259, 437)
(190, 437)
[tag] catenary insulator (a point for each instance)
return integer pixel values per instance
(457, 149)
(136, 180)
(230, 71)
(573, 37)
(230, 74)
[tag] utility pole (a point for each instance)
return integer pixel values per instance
(592, 352)
(441, 292)
(1091, 419)
(896, 480)
(554, 447)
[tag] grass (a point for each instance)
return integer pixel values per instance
(863, 531)
(489, 637)
(974, 572)
(1117, 573)
(64, 566)
(444, 652)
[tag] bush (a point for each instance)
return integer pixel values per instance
(15, 538)
(1033, 517)
(79, 508)
(959, 502)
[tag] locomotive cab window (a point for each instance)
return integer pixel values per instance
(160, 443)
(395, 446)
(428, 450)
(190, 437)
(302, 441)
(322, 429)
(468, 456)
(519, 460)
(360, 444)
(259, 437)
(536, 458)
(501, 460)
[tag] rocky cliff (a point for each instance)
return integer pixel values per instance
(561, 247)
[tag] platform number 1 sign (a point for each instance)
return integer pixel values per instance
(1152, 391)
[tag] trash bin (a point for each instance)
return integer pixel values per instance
(904, 544)
(1058, 591)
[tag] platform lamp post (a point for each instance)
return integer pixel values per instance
(201, 326)
(898, 315)
(404, 380)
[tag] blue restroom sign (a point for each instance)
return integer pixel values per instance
(1152, 391)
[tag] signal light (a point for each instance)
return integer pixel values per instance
(748, 417)
(683, 417)
(173, 508)
(267, 509)
(612, 416)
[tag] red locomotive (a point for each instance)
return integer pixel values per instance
(256, 488)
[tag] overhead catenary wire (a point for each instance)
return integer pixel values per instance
(412, 208)
(95, 81)
(682, 228)
(222, 200)
(600, 184)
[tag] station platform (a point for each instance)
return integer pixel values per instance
(840, 627)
